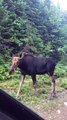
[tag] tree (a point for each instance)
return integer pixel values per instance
(40, 28)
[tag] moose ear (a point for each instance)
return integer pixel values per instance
(20, 55)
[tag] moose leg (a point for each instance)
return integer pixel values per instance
(53, 86)
(21, 82)
(34, 84)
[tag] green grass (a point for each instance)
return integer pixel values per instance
(27, 90)
(11, 84)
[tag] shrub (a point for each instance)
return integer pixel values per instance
(61, 70)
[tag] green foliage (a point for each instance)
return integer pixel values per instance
(61, 70)
(4, 71)
(63, 83)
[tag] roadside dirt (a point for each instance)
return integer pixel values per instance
(59, 112)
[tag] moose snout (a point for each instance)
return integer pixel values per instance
(11, 72)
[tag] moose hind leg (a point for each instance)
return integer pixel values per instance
(53, 86)
(34, 84)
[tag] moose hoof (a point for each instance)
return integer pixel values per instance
(54, 95)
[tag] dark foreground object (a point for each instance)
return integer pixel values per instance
(11, 109)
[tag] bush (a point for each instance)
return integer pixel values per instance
(61, 70)
(4, 72)
(63, 82)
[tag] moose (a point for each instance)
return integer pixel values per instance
(32, 65)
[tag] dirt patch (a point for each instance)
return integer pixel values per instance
(60, 113)
(60, 110)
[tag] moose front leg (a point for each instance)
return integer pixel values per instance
(53, 86)
(21, 82)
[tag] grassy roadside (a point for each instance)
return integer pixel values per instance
(11, 83)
